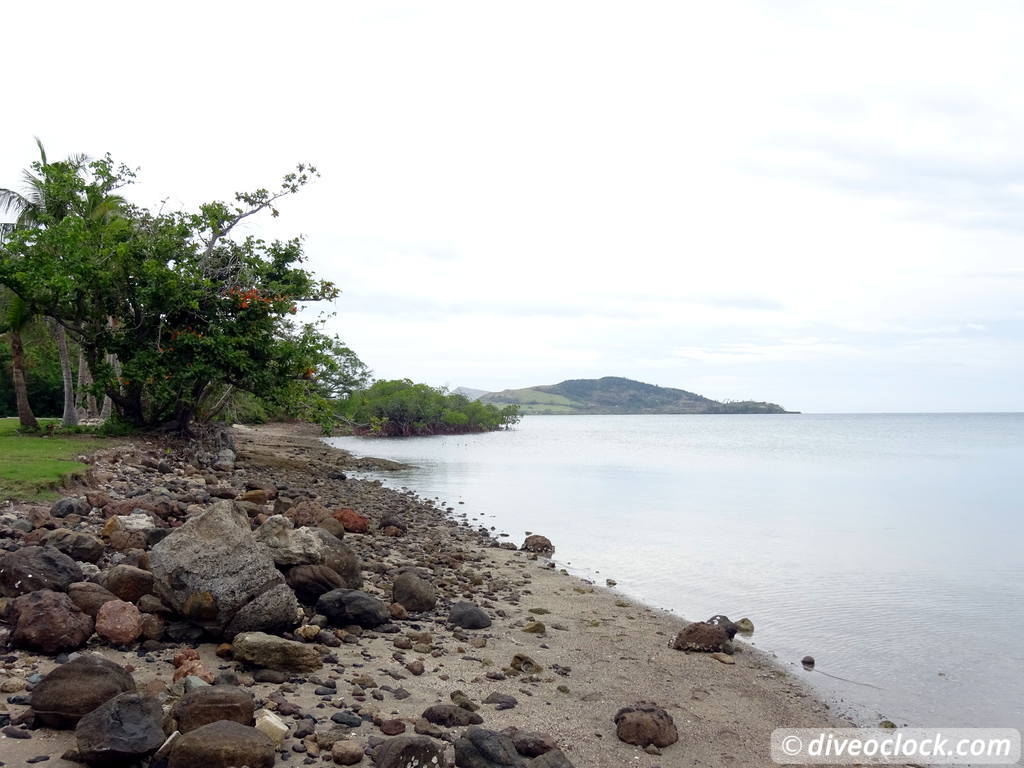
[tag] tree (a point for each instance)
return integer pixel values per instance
(183, 307)
(31, 206)
(16, 317)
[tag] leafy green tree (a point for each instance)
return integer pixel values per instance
(401, 408)
(31, 206)
(184, 307)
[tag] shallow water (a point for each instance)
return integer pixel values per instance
(889, 547)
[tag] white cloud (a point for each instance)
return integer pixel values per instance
(787, 192)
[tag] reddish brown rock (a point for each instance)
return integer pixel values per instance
(644, 724)
(128, 582)
(392, 727)
(49, 622)
(352, 521)
(119, 622)
(539, 544)
(704, 637)
(307, 513)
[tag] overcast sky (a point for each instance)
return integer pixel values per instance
(817, 204)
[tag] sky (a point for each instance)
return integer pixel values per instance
(815, 204)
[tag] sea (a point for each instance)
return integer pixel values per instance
(888, 547)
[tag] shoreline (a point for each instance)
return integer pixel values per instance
(599, 651)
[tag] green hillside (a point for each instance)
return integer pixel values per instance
(612, 394)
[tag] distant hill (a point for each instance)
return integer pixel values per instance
(613, 394)
(472, 394)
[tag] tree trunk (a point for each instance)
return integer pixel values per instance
(87, 408)
(25, 415)
(70, 418)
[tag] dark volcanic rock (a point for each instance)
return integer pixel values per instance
(725, 623)
(210, 703)
(213, 571)
(350, 606)
(532, 743)
(309, 582)
(49, 622)
(90, 597)
(70, 506)
(76, 545)
(481, 748)
(413, 593)
(468, 616)
(450, 716)
(223, 744)
(406, 751)
(74, 689)
(701, 636)
(30, 568)
(121, 731)
(644, 724)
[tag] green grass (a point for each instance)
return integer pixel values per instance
(32, 466)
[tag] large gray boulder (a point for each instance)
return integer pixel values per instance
(213, 572)
(289, 545)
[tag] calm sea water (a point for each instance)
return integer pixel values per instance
(889, 547)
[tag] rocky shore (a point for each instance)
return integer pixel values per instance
(242, 601)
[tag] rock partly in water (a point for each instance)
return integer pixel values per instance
(725, 623)
(211, 703)
(272, 652)
(33, 568)
(539, 544)
(49, 622)
(704, 637)
(644, 724)
(350, 606)
(121, 731)
(213, 571)
(223, 744)
(413, 593)
(74, 689)
(468, 616)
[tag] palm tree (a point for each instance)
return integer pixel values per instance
(13, 322)
(27, 206)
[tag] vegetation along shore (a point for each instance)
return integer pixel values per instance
(242, 600)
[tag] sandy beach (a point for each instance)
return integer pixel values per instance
(596, 651)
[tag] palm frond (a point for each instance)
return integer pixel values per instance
(12, 201)
(42, 149)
